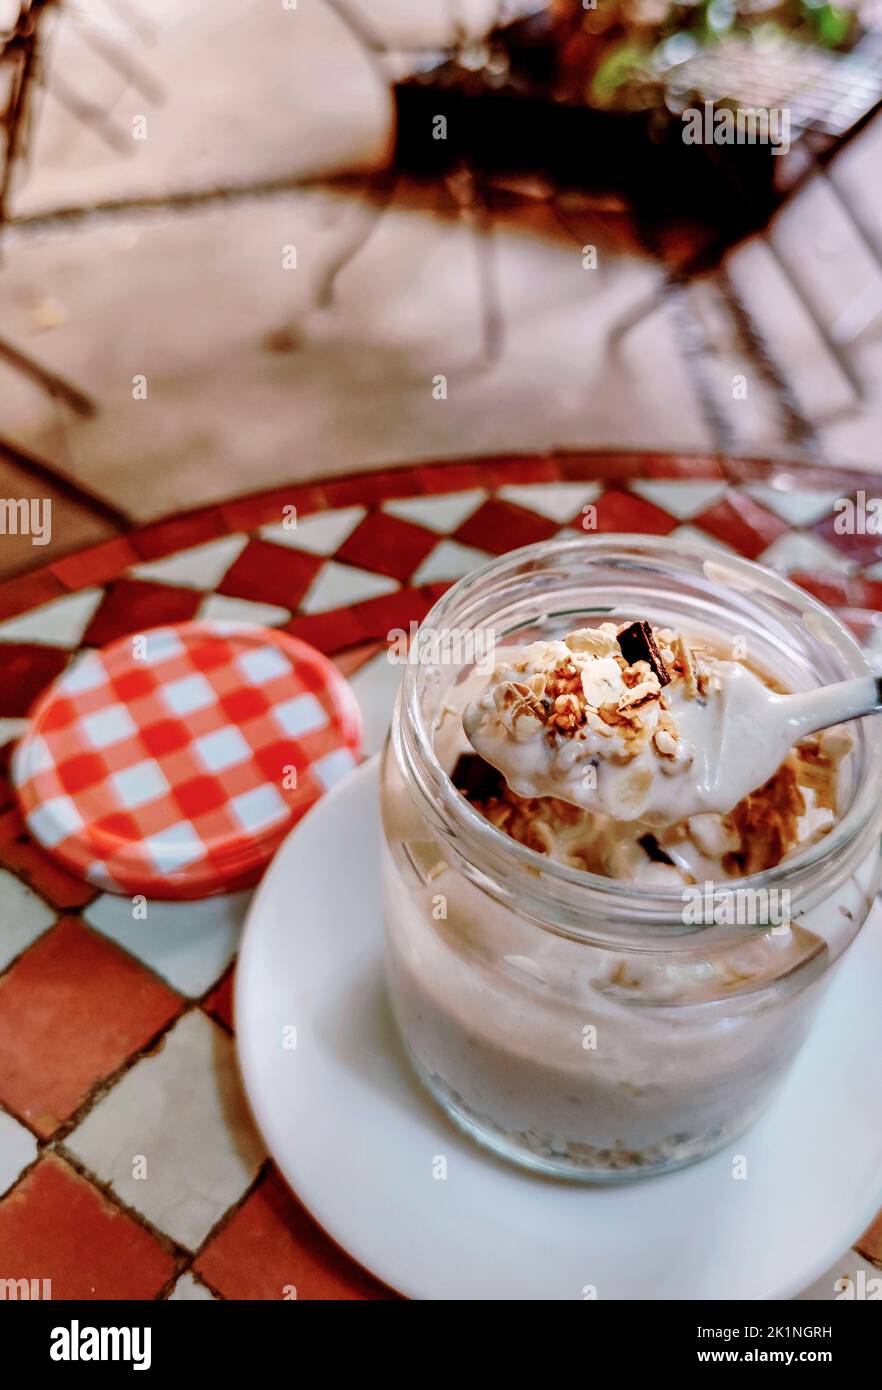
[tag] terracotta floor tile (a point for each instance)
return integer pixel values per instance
(500, 526)
(25, 670)
(39, 870)
(272, 1244)
(219, 1003)
(55, 1225)
(384, 544)
(870, 1243)
(267, 573)
(72, 1009)
(742, 523)
(132, 605)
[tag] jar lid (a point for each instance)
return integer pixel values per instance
(173, 762)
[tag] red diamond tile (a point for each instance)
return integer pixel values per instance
(385, 544)
(72, 1009)
(133, 605)
(625, 511)
(161, 538)
(247, 513)
(378, 616)
(96, 565)
(219, 1002)
(28, 591)
(55, 1225)
(271, 1244)
(266, 573)
(37, 869)
(499, 526)
(330, 632)
(833, 589)
(866, 550)
(25, 670)
(742, 523)
(866, 593)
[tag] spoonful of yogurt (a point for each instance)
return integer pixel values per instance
(632, 721)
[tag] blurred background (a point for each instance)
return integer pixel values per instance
(236, 253)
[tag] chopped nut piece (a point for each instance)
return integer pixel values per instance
(592, 640)
(687, 668)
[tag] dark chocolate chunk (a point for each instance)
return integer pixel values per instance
(476, 779)
(637, 643)
(654, 850)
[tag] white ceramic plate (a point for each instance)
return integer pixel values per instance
(355, 1136)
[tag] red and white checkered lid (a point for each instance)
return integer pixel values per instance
(173, 762)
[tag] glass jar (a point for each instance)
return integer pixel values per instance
(580, 1025)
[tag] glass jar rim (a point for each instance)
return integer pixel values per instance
(572, 893)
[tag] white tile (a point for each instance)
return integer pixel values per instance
(558, 501)
(375, 687)
(189, 943)
(320, 533)
(60, 623)
(336, 585)
(693, 535)
(189, 1289)
(799, 505)
(23, 917)
(301, 715)
(200, 567)
(443, 513)
(797, 550)
(449, 560)
(183, 1112)
(18, 1148)
(219, 608)
(681, 498)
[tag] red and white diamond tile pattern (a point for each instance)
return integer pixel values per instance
(129, 1166)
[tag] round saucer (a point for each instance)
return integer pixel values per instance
(360, 1142)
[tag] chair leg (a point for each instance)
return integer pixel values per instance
(833, 347)
(640, 312)
(55, 385)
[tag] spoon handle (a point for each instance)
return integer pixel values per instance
(812, 710)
